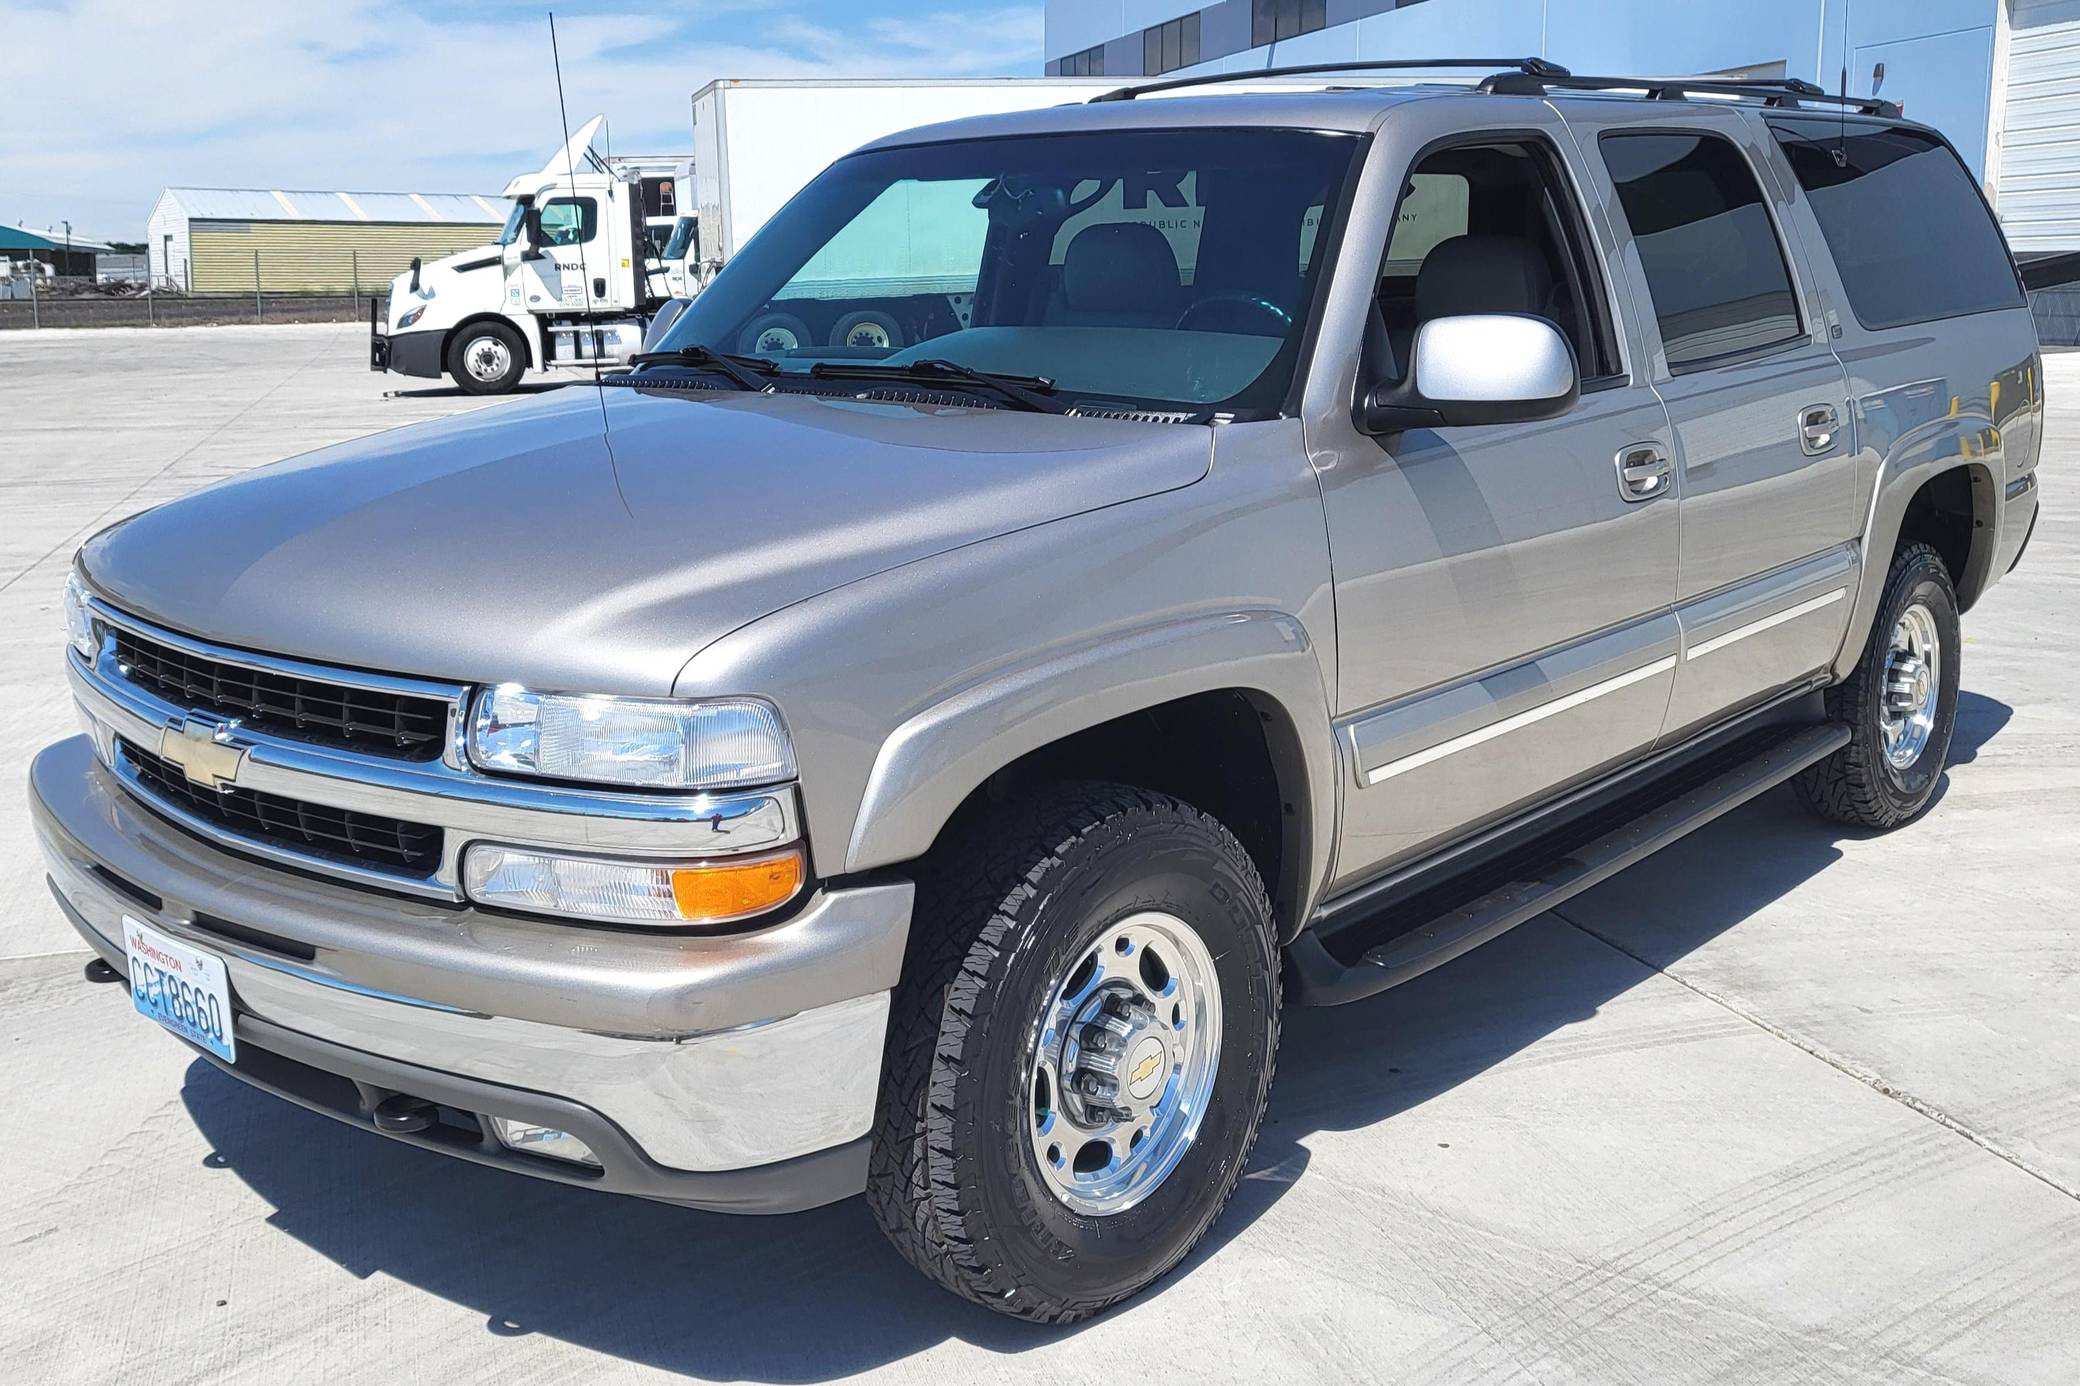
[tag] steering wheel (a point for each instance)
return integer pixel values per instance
(1253, 303)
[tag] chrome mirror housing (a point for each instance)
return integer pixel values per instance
(1481, 368)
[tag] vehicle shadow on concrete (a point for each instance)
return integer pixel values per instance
(530, 387)
(820, 1295)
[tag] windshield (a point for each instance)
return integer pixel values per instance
(1156, 269)
(685, 239)
(510, 232)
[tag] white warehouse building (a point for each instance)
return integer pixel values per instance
(2001, 78)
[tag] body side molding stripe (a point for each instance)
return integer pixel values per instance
(1480, 735)
(1789, 613)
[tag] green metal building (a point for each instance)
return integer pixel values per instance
(237, 240)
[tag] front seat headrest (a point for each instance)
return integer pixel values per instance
(1482, 274)
(1121, 269)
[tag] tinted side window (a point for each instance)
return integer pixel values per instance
(1910, 234)
(1710, 251)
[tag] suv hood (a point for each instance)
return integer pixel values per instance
(514, 544)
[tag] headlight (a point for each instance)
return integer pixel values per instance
(409, 318)
(655, 743)
(79, 621)
(718, 890)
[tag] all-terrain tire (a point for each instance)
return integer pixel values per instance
(1003, 910)
(1858, 785)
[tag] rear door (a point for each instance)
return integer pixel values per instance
(1741, 352)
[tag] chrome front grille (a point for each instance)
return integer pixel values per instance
(375, 720)
(357, 839)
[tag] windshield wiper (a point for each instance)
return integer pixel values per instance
(1033, 392)
(743, 370)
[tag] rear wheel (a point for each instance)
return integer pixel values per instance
(1900, 703)
(486, 358)
(1080, 1051)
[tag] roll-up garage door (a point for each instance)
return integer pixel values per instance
(2039, 180)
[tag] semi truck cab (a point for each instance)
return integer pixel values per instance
(571, 282)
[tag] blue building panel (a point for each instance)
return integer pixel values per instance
(1937, 55)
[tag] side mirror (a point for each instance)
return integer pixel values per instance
(1484, 368)
(531, 235)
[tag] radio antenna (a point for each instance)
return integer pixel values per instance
(584, 282)
(1841, 143)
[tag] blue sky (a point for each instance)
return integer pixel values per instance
(107, 101)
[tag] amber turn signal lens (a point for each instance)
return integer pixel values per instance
(725, 890)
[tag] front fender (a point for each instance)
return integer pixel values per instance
(931, 763)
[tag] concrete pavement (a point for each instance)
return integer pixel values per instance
(1782, 1104)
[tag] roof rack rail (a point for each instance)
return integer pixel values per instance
(1774, 91)
(1526, 68)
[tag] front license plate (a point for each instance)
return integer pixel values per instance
(181, 987)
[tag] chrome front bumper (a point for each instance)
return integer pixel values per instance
(708, 1054)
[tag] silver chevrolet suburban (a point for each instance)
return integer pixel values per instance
(1075, 581)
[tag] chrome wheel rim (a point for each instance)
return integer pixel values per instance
(487, 359)
(1913, 686)
(1124, 1058)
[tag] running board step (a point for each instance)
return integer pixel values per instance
(1544, 873)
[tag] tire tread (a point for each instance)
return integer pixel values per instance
(1848, 786)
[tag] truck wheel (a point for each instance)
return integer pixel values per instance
(774, 334)
(1079, 1052)
(1900, 703)
(868, 330)
(486, 358)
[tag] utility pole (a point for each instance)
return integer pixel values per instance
(68, 247)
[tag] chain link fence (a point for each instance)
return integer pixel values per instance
(30, 299)
(160, 309)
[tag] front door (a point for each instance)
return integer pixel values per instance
(572, 254)
(1504, 593)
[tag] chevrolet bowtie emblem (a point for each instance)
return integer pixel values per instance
(204, 753)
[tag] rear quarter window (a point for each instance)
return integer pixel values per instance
(1908, 230)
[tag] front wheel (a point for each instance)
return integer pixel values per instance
(1080, 1051)
(486, 358)
(1900, 703)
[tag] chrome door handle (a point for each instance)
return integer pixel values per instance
(1817, 425)
(1643, 471)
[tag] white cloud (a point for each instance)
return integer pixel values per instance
(122, 97)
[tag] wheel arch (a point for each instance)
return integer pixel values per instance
(1939, 486)
(1955, 512)
(1225, 711)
